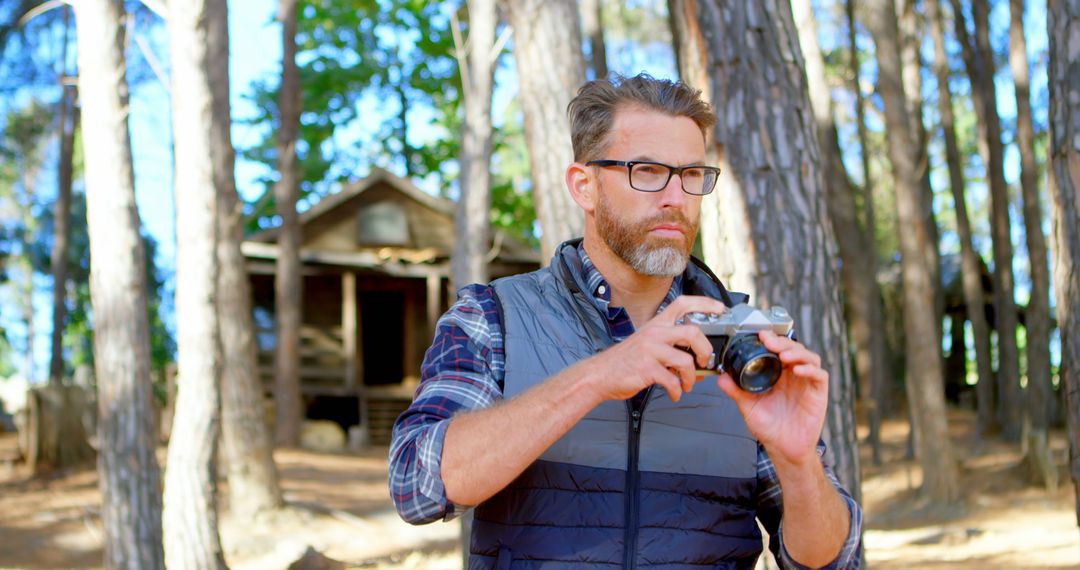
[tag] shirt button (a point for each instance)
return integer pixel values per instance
(601, 290)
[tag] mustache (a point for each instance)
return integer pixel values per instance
(673, 218)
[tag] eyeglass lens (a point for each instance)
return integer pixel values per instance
(653, 177)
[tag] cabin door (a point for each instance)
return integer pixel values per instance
(383, 332)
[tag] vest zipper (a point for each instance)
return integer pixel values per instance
(636, 409)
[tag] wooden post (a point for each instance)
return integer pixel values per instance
(348, 326)
(434, 300)
(350, 334)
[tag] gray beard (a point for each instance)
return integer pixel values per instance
(662, 261)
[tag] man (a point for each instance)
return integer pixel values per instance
(563, 405)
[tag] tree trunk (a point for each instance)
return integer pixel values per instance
(190, 521)
(1037, 317)
(129, 476)
(1063, 23)
(768, 148)
(971, 272)
(551, 69)
(859, 267)
(924, 387)
(592, 18)
(56, 432)
(69, 117)
(725, 230)
(288, 277)
(880, 393)
(869, 227)
(245, 433)
(978, 59)
(473, 215)
(911, 38)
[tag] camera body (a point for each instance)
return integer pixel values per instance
(737, 349)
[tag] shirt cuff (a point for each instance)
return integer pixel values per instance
(429, 468)
(850, 556)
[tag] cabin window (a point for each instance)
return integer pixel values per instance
(383, 223)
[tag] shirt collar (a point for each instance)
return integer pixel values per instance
(601, 292)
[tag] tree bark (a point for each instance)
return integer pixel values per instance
(859, 267)
(129, 476)
(768, 148)
(1037, 317)
(725, 230)
(473, 215)
(69, 117)
(288, 277)
(925, 383)
(1063, 26)
(592, 18)
(551, 69)
(971, 273)
(911, 38)
(868, 216)
(55, 428)
(978, 59)
(190, 520)
(245, 433)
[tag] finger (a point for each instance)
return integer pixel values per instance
(727, 385)
(789, 351)
(775, 342)
(670, 382)
(689, 304)
(681, 364)
(811, 373)
(692, 337)
(799, 355)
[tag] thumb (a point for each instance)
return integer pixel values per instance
(727, 385)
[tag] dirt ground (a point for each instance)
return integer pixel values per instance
(341, 508)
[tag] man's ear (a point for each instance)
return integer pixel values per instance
(582, 185)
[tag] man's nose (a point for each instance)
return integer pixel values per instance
(672, 194)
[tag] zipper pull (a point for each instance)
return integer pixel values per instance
(635, 420)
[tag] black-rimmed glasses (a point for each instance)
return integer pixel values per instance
(646, 176)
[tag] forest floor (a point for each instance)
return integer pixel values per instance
(341, 508)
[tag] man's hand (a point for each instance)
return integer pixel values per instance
(655, 354)
(788, 418)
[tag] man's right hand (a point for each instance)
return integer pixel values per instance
(655, 354)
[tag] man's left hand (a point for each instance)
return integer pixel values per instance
(787, 419)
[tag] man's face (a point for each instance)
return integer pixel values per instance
(653, 232)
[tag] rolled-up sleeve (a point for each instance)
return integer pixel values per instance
(461, 372)
(770, 512)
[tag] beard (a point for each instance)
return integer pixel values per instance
(647, 254)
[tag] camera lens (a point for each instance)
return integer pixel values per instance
(754, 367)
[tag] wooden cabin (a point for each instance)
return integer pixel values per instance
(376, 268)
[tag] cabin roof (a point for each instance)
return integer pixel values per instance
(422, 224)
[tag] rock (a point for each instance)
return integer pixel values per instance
(322, 435)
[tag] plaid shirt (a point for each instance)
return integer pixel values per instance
(463, 371)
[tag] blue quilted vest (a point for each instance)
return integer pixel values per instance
(661, 485)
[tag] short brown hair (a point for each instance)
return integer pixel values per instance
(592, 111)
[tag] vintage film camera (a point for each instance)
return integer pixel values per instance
(736, 347)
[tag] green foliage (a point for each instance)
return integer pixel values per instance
(78, 338)
(368, 69)
(381, 87)
(512, 208)
(26, 239)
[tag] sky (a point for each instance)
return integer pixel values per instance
(255, 40)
